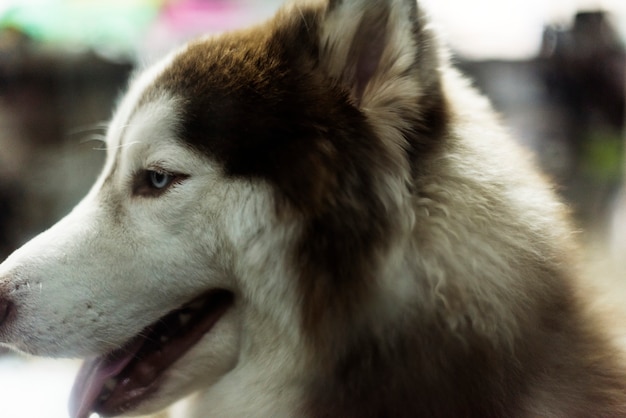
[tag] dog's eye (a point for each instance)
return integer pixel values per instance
(160, 180)
(153, 183)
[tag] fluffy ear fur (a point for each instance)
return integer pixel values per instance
(385, 56)
(368, 44)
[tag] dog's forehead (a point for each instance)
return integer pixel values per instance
(133, 102)
(251, 96)
(226, 86)
(223, 95)
(257, 104)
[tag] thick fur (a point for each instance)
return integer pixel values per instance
(391, 251)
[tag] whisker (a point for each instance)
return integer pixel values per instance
(97, 131)
(79, 130)
(126, 145)
(100, 138)
(94, 138)
(20, 289)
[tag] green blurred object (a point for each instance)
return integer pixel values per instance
(603, 158)
(111, 24)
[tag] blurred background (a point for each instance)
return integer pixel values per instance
(555, 70)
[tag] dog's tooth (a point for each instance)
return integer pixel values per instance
(145, 373)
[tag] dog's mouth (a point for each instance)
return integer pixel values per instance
(117, 382)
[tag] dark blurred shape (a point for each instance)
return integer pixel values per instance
(584, 73)
(584, 69)
(9, 198)
(568, 105)
(46, 93)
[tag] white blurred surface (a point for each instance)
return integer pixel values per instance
(510, 29)
(35, 388)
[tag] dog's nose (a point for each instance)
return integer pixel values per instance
(6, 306)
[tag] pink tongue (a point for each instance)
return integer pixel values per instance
(92, 376)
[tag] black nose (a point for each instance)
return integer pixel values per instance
(6, 306)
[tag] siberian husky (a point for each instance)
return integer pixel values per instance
(315, 217)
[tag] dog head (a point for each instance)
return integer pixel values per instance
(254, 183)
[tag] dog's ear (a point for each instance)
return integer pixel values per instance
(372, 47)
(387, 58)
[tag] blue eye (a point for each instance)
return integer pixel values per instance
(155, 182)
(159, 180)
